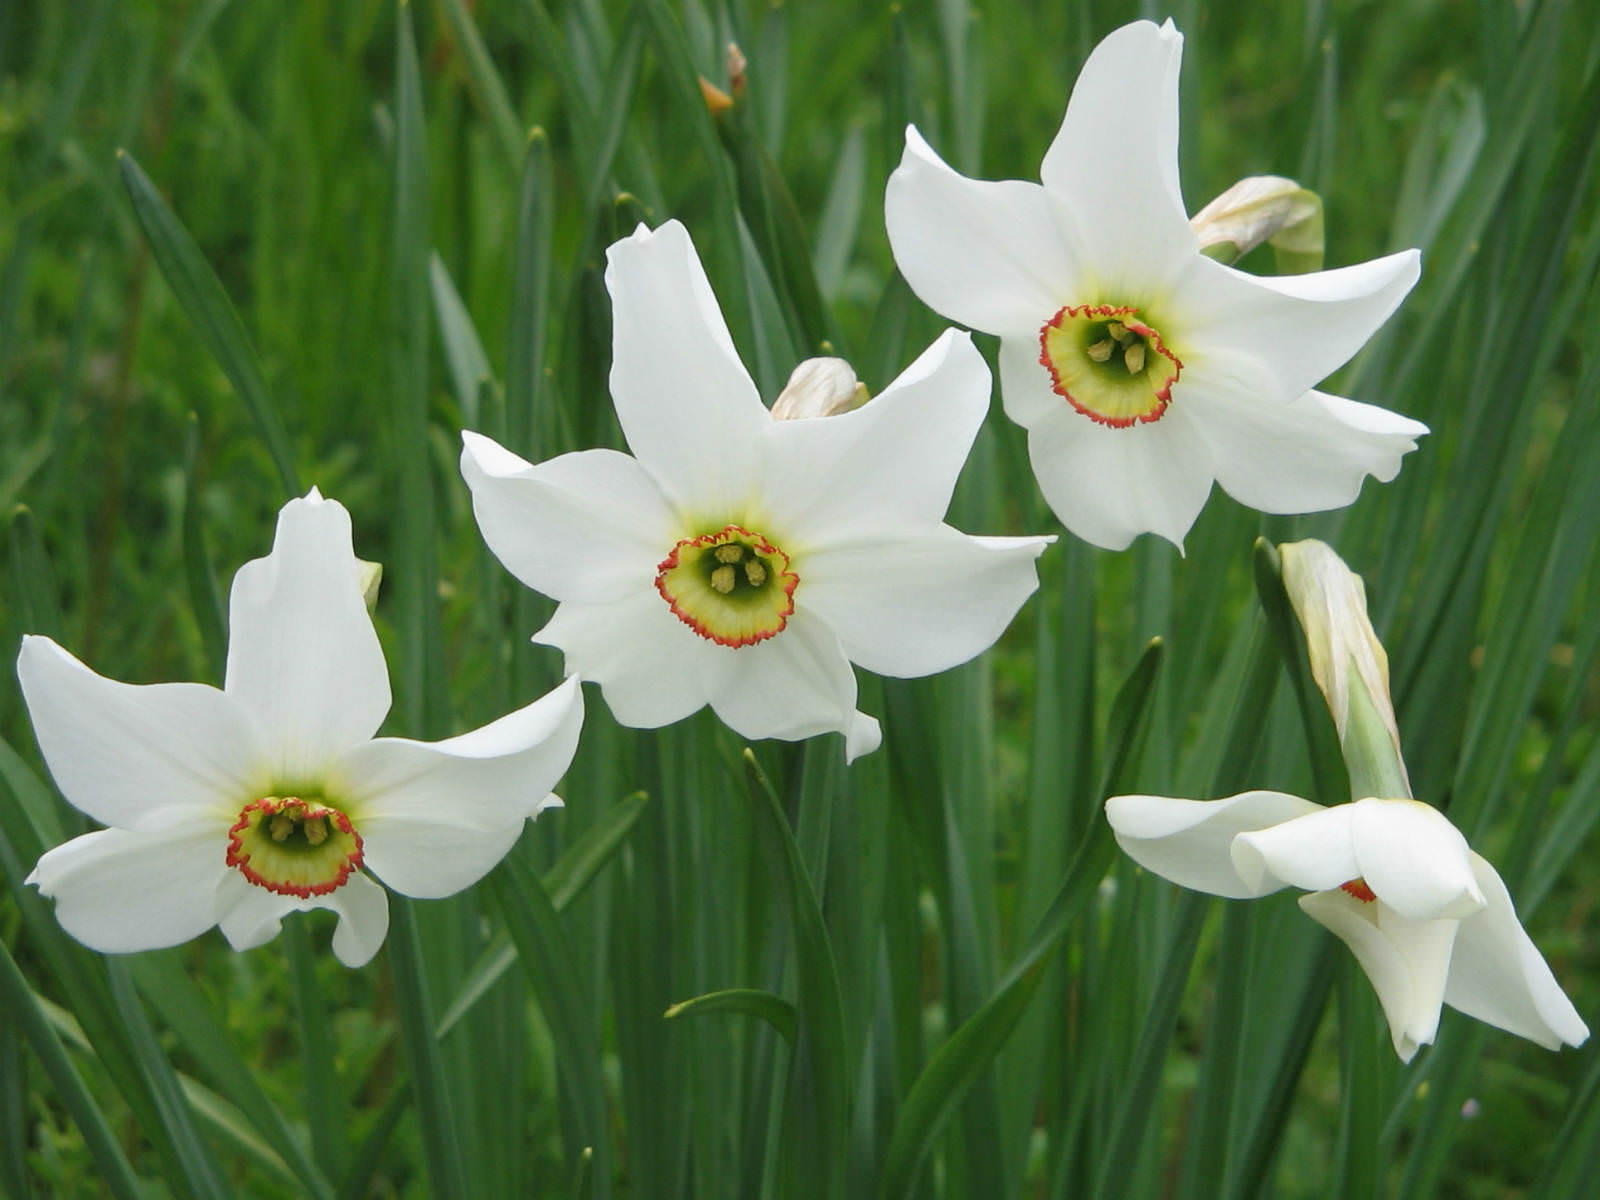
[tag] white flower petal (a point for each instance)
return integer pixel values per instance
(428, 859)
(585, 526)
(1187, 841)
(688, 407)
(794, 685)
(494, 775)
(1114, 162)
(433, 818)
(1413, 859)
(1026, 390)
(1308, 455)
(118, 892)
(1498, 975)
(988, 254)
(1110, 485)
(1296, 329)
(909, 603)
(303, 656)
(894, 459)
(363, 909)
(136, 756)
(1407, 961)
(1314, 852)
(652, 669)
(249, 916)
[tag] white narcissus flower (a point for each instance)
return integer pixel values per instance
(235, 807)
(744, 562)
(1142, 369)
(1428, 919)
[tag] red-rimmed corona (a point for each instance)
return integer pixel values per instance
(732, 587)
(1108, 364)
(294, 846)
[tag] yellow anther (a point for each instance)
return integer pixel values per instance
(1134, 358)
(731, 553)
(723, 579)
(1119, 331)
(281, 827)
(317, 831)
(755, 572)
(1101, 350)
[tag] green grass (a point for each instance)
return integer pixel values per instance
(406, 258)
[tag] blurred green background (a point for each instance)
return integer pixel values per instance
(407, 262)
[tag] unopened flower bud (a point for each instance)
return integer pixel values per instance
(1264, 208)
(1349, 664)
(371, 575)
(819, 387)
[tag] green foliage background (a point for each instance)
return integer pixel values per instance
(406, 259)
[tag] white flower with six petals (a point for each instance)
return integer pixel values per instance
(740, 561)
(236, 806)
(1142, 369)
(1429, 920)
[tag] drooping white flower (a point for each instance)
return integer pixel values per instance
(1429, 920)
(235, 807)
(1142, 369)
(744, 562)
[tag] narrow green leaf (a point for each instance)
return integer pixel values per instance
(422, 695)
(20, 1004)
(565, 882)
(586, 857)
(184, 1009)
(552, 973)
(487, 86)
(357, 1181)
(962, 1058)
(446, 1175)
(201, 1175)
(463, 351)
(33, 580)
(204, 597)
(751, 1002)
(841, 214)
(528, 336)
(818, 1084)
(200, 293)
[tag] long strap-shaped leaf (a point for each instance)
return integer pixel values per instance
(959, 1062)
(200, 293)
(821, 1055)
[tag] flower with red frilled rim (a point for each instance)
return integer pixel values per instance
(1429, 920)
(1142, 369)
(742, 561)
(236, 806)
